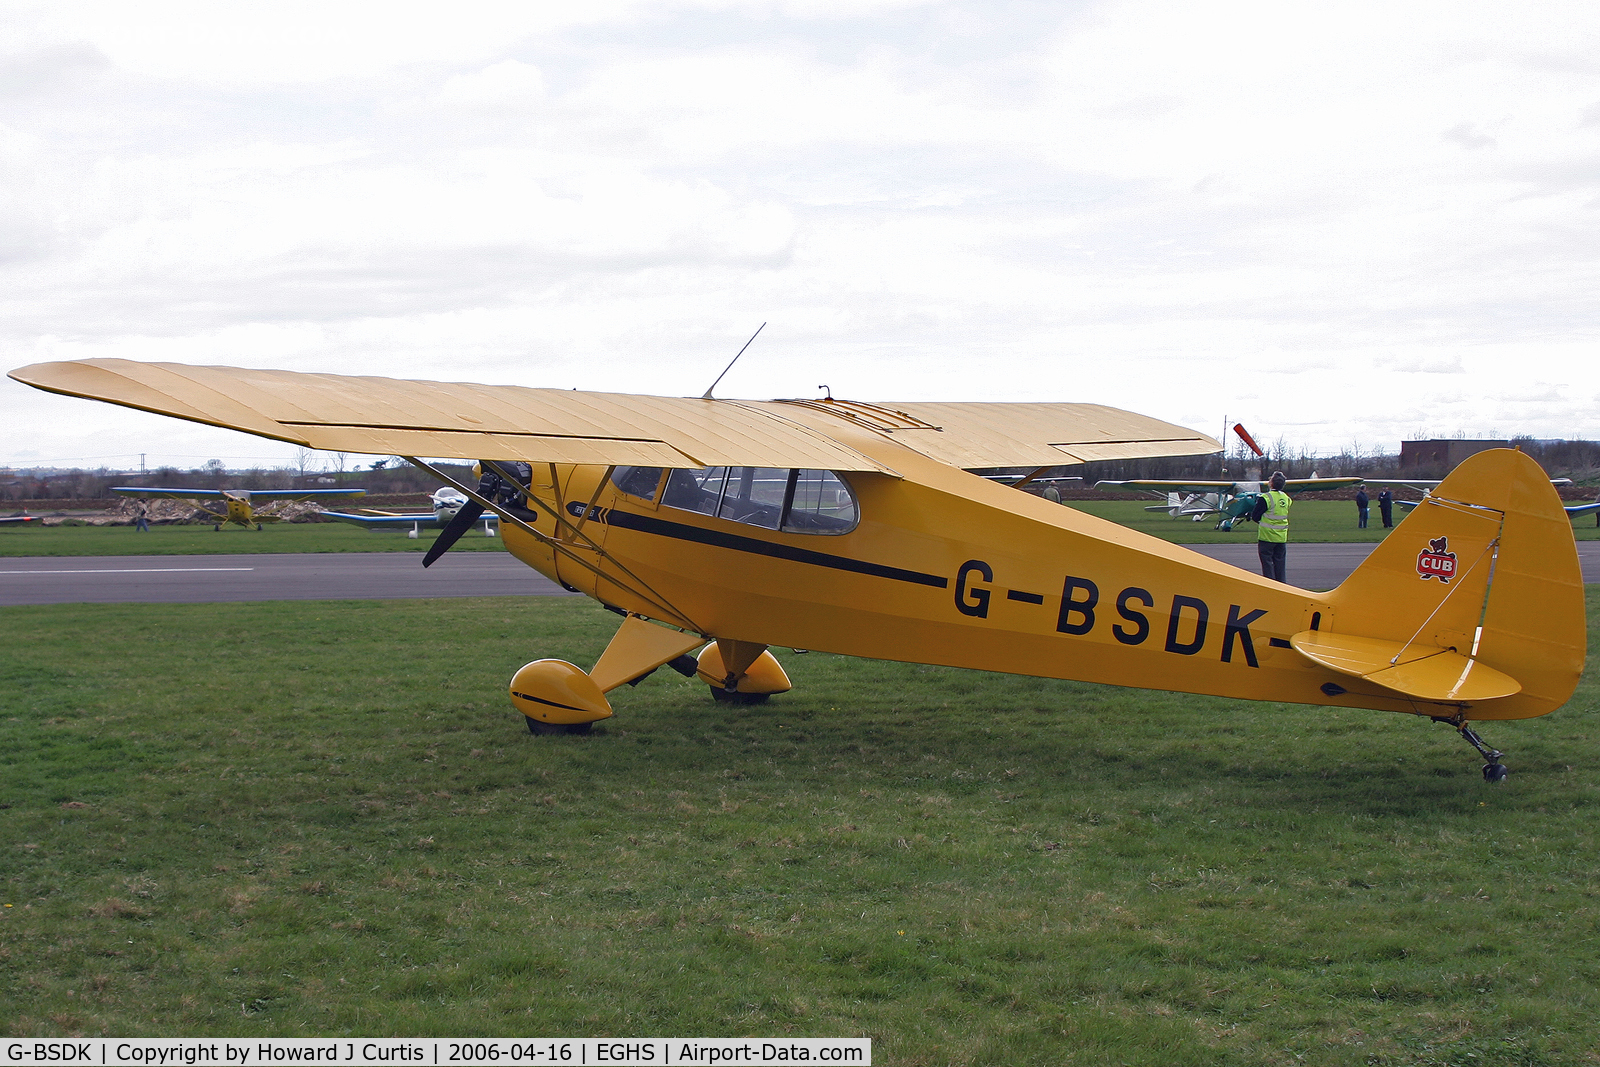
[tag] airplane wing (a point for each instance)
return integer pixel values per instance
(1407, 483)
(369, 521)
(385, 416)
(256, 495)
(1156, 485)
(178, 494)
(974, 435)
(7, 520)
(1317, 485)
(302, 494)
(1582, 509)
(1292, 486)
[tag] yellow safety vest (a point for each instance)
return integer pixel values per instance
(1275, 521)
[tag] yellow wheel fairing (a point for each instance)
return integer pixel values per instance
(555, 691)
(764, 675)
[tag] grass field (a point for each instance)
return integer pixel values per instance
(1313, 520)
(204, 540)
(315, 819)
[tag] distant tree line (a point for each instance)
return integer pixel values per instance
(386, 476)
(1578, 460)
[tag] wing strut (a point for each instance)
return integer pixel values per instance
(560, 547)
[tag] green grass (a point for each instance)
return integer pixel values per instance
(317, 819)
(204, 540)
(1310, 520)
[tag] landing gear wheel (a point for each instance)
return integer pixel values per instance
(1493, 769)
(217, 527)
(733, 696)
(541, 729)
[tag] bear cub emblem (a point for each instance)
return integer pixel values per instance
(1437, 561)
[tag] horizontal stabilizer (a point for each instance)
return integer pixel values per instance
(1424, 672)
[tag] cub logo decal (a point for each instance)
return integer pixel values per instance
(1437, 561)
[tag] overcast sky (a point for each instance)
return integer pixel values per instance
(1338, 223)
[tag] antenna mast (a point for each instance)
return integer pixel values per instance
(731, 362)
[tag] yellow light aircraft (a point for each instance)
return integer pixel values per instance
(238, 504)
(735, 526)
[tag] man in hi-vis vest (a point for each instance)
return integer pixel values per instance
(1272, 515)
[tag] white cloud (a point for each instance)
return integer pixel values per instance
(509, 83)
(1309, 219)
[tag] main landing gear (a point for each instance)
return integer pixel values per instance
(557, 697)
(1493, 769)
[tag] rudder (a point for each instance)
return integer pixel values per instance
(1483, 576)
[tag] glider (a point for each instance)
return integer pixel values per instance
(1232, 501)
(238, 504)
(735, 526)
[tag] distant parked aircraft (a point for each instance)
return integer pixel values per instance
(446, 503)
(1229, 501)
(1427, 487)
(239, 504)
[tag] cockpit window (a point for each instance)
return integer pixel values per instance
(754, 495)
(773, 498)
(819, 502)
(699, 490)
(637, 481)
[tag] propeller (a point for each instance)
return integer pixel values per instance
(491, 487)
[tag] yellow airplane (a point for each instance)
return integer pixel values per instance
(736, 526)
(238, 504)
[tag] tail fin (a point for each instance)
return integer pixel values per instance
(1474, 604)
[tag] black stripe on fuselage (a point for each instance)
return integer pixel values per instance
(720, 539)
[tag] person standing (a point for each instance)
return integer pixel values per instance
(141, 518)
(1272, 543)
(1386, 506)
(1361, 508)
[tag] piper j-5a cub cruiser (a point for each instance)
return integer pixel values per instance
(733, 527)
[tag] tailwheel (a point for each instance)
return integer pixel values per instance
(1493, 769)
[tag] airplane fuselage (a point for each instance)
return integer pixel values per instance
(946, 567)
